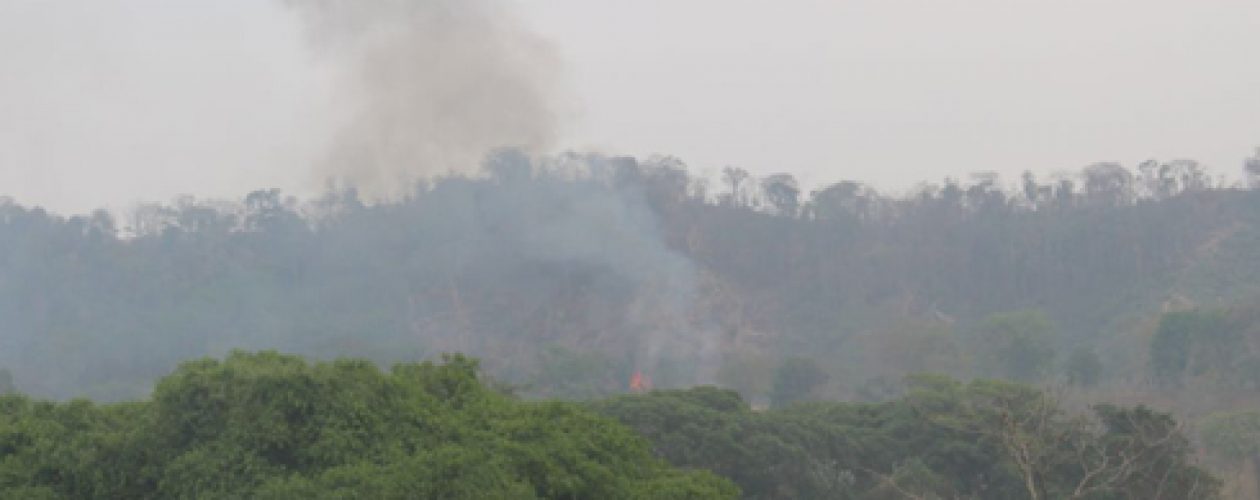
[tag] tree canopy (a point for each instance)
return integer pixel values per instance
(943, 439)
(267, 425)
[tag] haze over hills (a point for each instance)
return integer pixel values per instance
(631, 263)
(583, 276)
(394, 184)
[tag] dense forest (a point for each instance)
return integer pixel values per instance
(942, 439)
(272, 426)
(1128, 295)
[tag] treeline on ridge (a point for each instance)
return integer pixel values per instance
(590, 263)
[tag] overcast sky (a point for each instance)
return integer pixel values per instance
(105, 102)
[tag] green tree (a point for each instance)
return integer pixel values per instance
(275, 426)
(569, 374)
(1190, 343)
(1083, 368)
(795, 380)
(1016, 345)
(1233, 436)
(990, 440)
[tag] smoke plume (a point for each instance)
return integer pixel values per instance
(428, 87)
(432, 87)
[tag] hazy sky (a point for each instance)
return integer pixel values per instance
(110, 101)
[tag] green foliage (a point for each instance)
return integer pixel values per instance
(943, 439)
(267, 425)
(1157, 456)
(531, 256)
(714, 429)
(1188, 342)
(1170, 347)
(1083, 368)
(1016, 345)
(1232, 435)
(567, 374)
(795, 380)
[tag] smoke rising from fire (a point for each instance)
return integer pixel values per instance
(431, 87)
(428, 87)
(588, 212)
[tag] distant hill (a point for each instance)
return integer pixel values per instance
(568, 274)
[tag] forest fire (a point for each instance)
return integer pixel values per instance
(640, 382)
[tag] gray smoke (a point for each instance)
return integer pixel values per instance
(431, 87)
(573, 213)
(617, 229)
(428, 87)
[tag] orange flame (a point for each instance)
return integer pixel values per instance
(640, 382)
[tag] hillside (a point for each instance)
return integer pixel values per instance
(606, 266)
